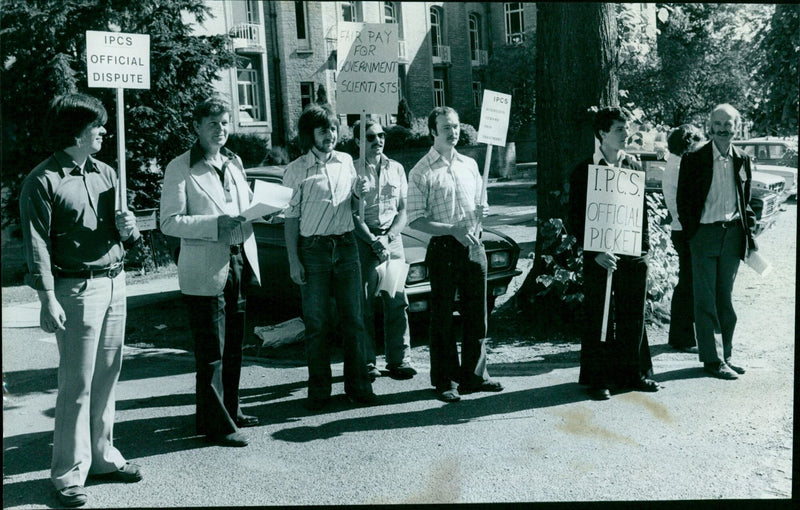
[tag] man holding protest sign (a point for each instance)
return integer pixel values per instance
(323, 255)
(622, 356)
(74, 238)
(445, 200)
(380, 240)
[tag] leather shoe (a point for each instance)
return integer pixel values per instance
(598, 393)
(736, 368)
(72, 496)
(315, 404)
(403, 372)
(720, 371)
(373, 373)
(363, 398)
(645, 384)
(233, 439)
(448, 395)
(493, 386)
(129, 473)
(691, 350)
(246, 420)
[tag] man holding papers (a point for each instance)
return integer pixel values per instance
(623, 356)
(204, 193)
(384, 189)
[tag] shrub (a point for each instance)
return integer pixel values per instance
(662, 264)
(404, 115)
(277, 156)
(468, 135)
(251, 147)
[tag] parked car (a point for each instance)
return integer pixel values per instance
(774, 156)
(766, 190)
(283, 296)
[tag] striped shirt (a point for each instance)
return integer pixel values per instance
(445, 191)
(321, 193)
(721, 201)
(387, 189)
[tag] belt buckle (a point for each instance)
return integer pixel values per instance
(113, 271)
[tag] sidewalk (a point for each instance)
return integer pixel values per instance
(139, 294)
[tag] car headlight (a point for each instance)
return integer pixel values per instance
(417, 273)
(499, 259)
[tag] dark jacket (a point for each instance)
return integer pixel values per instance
(694, 182)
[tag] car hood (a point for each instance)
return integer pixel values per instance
(416, 242)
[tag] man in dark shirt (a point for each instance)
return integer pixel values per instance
(623, 357)
(74, 234)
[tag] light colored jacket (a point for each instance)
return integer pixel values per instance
(191, 200)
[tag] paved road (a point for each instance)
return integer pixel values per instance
(539, 440)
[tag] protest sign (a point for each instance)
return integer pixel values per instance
(614, 203)
(117, 60)
(367, 79)
(495, 112)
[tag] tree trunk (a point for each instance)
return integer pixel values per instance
(576, 68)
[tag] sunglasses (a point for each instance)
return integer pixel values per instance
(371, 136)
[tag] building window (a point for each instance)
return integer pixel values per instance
(438, 92)
(391, 14)
(477, 93)
(302, 23)
(351, 11)
(306, 93)
(436, 30)
(253, 12)
(515, 25)
(474, 36)
(250, 80)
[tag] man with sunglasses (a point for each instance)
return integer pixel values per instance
(205, 190)
(384, 189)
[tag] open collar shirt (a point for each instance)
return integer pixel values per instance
(231, 207)
(388, 186)
(721, 202)
(67, 215)
(445, 191)
(321, 193)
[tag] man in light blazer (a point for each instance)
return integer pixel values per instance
(713, 208)
(204, 192)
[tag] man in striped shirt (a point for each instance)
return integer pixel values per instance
(445, 200)
(323, 255)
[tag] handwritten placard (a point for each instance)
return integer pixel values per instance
(117, 60)
(614, 203)
(495, 112)
(367, 79)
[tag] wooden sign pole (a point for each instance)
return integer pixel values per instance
(362, 154)
(122, 194)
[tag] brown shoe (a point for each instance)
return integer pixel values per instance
(720, 371)
(72, 496)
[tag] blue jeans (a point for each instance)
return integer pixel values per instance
(332, 270)
(451, 271)
(396, 334)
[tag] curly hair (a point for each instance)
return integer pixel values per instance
(682, 138)
(605, 117)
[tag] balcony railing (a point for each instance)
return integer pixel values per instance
(441, 54)
(246, 38)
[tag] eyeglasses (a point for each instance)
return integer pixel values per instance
(371, 136)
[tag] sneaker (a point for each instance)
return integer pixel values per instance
(129, 473)
(72, 496)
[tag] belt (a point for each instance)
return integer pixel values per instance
(111, 272)
(237, 249)
(725, 224)
(378, 231)
(334, 237)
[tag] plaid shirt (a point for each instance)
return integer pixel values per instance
(445, 192)
(386, 191)
(321, 193)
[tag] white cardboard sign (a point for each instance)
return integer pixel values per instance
(614, 203)
(117, 60)
(367, 78)
(495, 112)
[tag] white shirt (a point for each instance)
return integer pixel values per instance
(721, 202)
(669, 186)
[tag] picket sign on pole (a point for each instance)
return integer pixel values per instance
(362, 154)
(119, 61)
(492, 130)
(614, 206)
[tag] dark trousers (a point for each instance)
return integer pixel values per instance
(333, 270)
(681, 322)
(716, 252)
(451, 271)
(625, 355)
(217, 324)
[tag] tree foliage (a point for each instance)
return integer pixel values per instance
(44, 54)
(509, 72)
